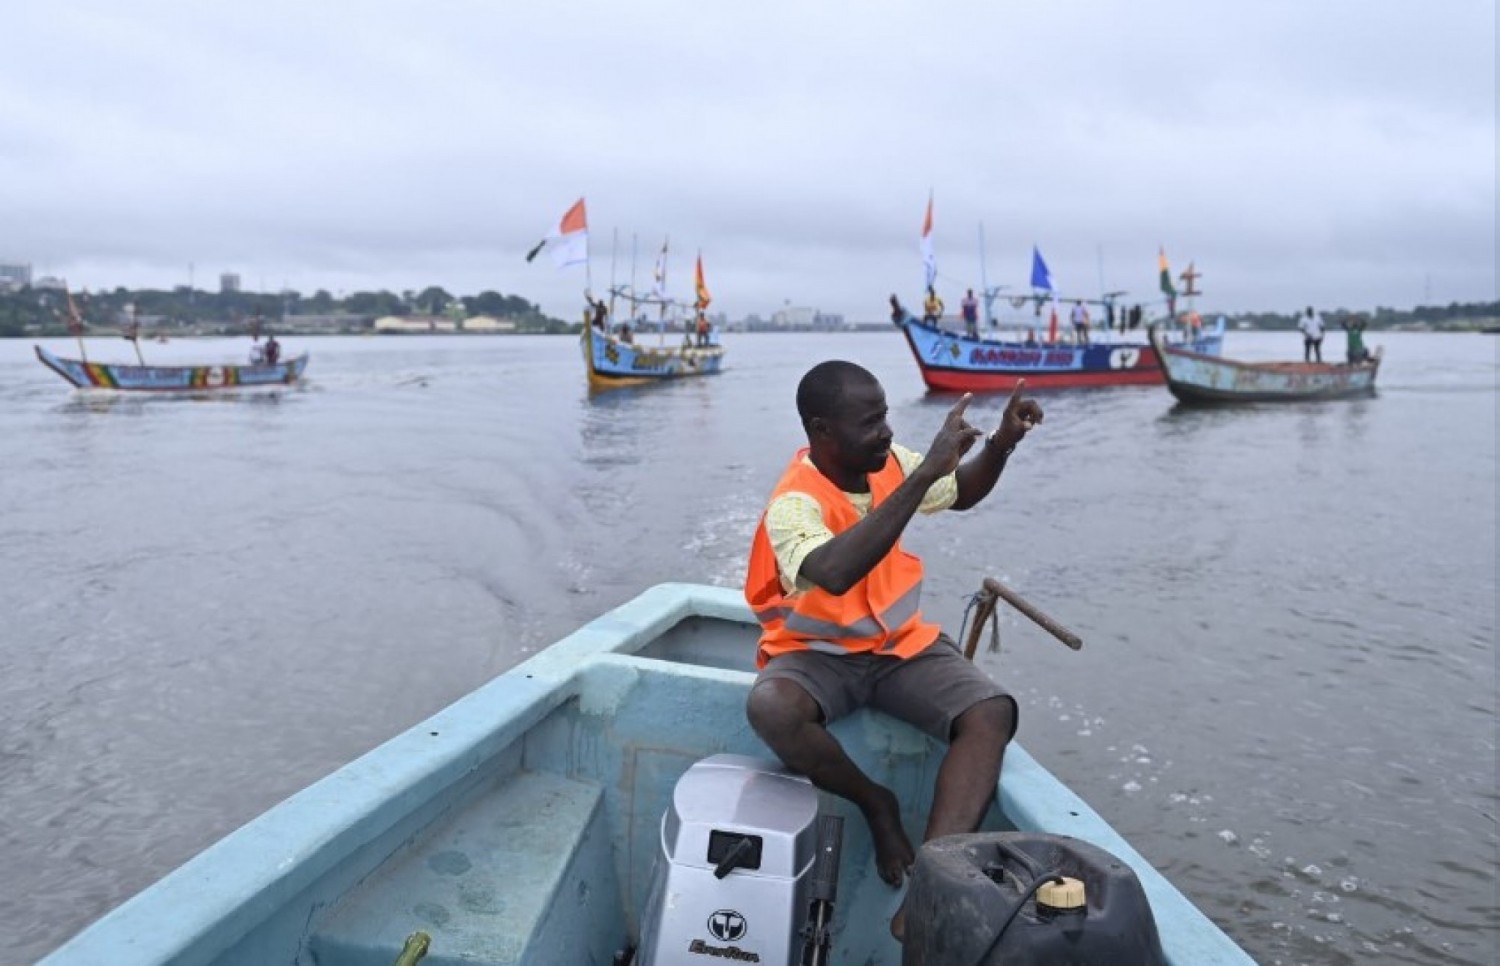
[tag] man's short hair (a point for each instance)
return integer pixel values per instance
(822, 388)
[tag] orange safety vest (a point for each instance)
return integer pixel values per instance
(880, 613)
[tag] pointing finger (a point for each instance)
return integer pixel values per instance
(960, 406)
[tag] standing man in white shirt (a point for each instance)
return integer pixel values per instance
(1080, 323)
(1311, 325)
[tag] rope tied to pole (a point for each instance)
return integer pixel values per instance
(983, 605)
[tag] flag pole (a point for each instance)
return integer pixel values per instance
(75, 324)
(588, 265)
(135, 334)
(661, 309)
(614, 250)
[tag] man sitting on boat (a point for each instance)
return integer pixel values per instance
(837, 599)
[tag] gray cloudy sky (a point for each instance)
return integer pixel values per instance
(1336, 153)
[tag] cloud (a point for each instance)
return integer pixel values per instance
(1336, 153)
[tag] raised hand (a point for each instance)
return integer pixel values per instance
(955, 439)
(1018, 419)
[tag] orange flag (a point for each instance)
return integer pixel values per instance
(702, 287)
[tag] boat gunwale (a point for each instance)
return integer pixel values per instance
(1192, 391)
(243, 881)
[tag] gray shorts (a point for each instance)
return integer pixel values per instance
(928, 691)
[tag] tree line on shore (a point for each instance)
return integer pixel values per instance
(1454, 315)
(44, 311)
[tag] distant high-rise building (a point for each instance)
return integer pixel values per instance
(14, 275)
(229, 282)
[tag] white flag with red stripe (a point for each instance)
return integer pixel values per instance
(929, 260)
(569, 240)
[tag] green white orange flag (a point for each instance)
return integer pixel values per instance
(701, 286)
(569, 240)
(1167, 288)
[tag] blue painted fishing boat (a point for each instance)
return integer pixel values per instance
(197, 378)
(1198, 379)
(530, 822)
(951, 361)
(613, 362)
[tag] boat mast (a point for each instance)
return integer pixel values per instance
(135, 334)
(990, 294)
(614, 246)
(984, 282)
(75, 323)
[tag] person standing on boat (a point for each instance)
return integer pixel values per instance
(272, 351)
(1311, 325)
(601, 314)
(838, 602)
(932, 307)
(1081, 322)
(1354, 336)
(970, 309)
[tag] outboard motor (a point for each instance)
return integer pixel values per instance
(1018, 897)
(748, 869)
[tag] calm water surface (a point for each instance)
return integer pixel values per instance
(1286, 699)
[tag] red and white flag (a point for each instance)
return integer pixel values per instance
(569, 240)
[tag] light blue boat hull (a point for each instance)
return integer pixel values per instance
(518, 825)
(1199, 379)
(611, 362)
(201, 378)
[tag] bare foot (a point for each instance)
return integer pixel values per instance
(898, 924)
(893, 851)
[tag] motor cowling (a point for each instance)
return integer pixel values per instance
(735, 879)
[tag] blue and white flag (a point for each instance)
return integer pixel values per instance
(1041, 278)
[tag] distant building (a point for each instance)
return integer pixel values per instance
(414, 323)
(14, 275)
(485, 323)
(324, 322)
(793, 318)
(229, 282)
(50, 281)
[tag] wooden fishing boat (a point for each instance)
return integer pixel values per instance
(612, 362)
(519, 825)
(1197, 378)
(199, 378)
(952, 361)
